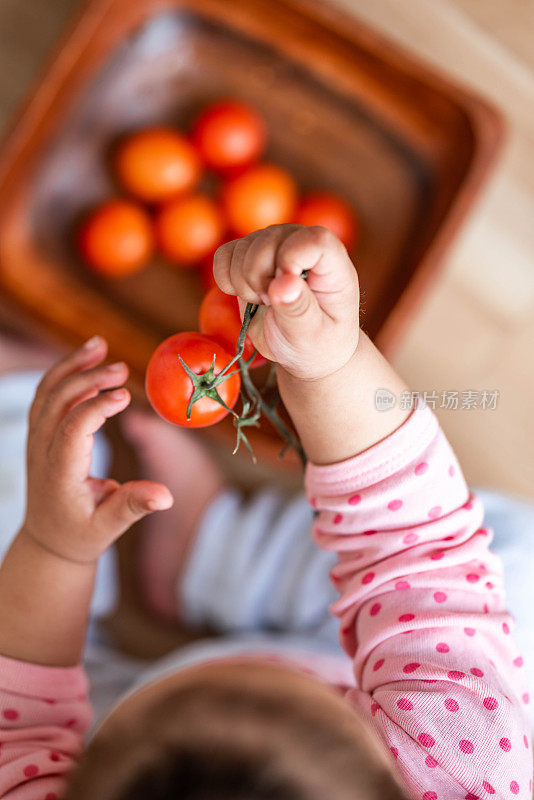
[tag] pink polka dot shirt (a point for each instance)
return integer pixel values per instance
(422, 617)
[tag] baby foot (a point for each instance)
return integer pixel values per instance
(177, 458)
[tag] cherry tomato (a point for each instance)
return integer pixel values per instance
(263, 195)
(157, 164)
(189, 228)
(219, 319)
(332, 212)
(117, 238)
(229, 135)
(169, 388)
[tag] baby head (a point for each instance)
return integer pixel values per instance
(235, 730)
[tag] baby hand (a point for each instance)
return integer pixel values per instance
(309, 327)
(68, 512)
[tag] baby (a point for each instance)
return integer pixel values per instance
(430, 701)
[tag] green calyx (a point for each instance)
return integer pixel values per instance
(249, 417)
(205, 385)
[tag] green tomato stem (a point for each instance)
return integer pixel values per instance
(270, 412)
(250, 310)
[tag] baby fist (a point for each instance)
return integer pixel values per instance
(307, 325)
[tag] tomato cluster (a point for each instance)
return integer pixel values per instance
(165, 207)
(167, 384)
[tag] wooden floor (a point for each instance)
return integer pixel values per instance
(487, 288)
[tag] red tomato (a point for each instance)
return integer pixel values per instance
(169, 388)
(116, 239)
(219, 319)
(332, 212)
(189, 228)
(157, 164)
(263, 195)
(229, 135)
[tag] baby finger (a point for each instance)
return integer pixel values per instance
(72, 441)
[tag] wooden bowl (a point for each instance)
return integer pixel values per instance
(346, 110)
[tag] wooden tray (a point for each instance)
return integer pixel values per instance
(346, 110)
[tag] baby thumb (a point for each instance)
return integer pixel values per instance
(131, 502)
(294, 305)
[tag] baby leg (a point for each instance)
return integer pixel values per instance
(178, 459)
(255, 568)
(218, 560)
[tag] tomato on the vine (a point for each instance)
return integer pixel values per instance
(116, 239)
(157, 164)
(169, 388)
(219, 319)
(229, 135)
(263, 195)
(332, 212)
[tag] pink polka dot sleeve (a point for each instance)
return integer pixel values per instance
(423, 616)
(44, 714)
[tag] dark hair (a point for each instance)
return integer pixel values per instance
(225, 741)
(221, 775)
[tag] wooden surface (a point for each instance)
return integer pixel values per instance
(345, 112)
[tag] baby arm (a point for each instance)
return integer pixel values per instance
(423, 615)
(422, 607)
(47, 576)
